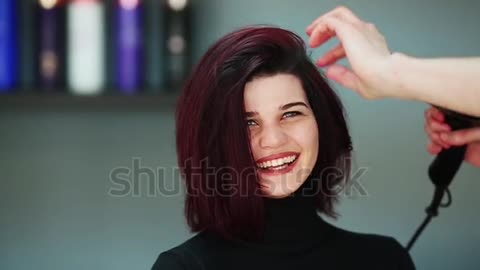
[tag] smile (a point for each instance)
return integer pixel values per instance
(278, 165)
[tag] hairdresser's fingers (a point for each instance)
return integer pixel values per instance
(461, 137)
(344, 76)
(332, 56)
(428, 113)
(437, 126)
(324, 31)
(436, 129)
(435, 113)
(331, 26)
(321, 35)
(314, 24)
(434, 136)
(472, 155)
(434, 124)
(435, 120)
(341, 12)
(433, 148)
(346, 13)
(438, 115)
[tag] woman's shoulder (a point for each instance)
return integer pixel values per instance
(367, 240)
(378, 248)
(357, 249)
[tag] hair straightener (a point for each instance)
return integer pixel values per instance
(444, 167)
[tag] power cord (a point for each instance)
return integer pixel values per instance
(432, 211)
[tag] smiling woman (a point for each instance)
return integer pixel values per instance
(283, 132)
(260, 134)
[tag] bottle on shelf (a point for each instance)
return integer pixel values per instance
(177, 49)
(27, 45)
(86, 47)
(50, 51)
(8, 45)
(128, 41)
(153, 57)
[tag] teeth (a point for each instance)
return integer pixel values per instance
(280, 168)
(277, 162)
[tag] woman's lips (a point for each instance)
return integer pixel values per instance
(269, 172)
(277, 156)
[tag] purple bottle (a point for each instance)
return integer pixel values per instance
(128, 46)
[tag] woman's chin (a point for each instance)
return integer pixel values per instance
(276, 187)
(270, 191)
(276, 196)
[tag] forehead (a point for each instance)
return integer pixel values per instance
(273, 91)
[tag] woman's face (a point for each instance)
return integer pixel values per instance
(283, 133)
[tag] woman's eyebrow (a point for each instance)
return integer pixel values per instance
(250, 114)
(282, 107)
(292, 104)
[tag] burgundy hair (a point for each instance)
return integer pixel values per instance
(213, 143)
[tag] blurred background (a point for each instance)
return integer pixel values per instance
(87, 148)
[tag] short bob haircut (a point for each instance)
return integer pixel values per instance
(213, 145)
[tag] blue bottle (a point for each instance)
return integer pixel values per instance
(8, 45)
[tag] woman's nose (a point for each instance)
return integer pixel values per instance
(272, 137)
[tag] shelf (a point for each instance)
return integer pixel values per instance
(106, 102)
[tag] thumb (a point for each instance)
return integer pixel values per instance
(461, 137)
(343, 76)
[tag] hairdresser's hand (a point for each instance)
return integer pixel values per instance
(441, 137)
(365, 48)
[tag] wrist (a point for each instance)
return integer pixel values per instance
(399, 74)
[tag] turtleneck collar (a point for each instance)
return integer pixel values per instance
(294, 219)
(292, 224)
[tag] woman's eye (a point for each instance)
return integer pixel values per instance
(251, 123)
(291, 114)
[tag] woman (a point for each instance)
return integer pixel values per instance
(260, 134)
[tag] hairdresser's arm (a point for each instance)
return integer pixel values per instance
(452, 83)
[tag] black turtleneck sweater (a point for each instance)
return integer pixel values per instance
(296, 238)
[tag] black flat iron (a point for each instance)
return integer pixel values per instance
(444, 167)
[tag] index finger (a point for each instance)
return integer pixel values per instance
(325, 30)
(340, 12)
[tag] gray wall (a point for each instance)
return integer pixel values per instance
(56, 212)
